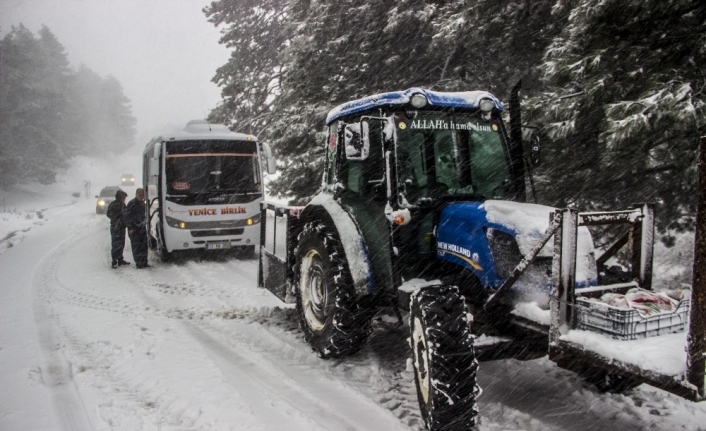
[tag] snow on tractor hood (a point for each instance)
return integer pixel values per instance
(464, 229)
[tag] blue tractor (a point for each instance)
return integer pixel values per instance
(423, 209)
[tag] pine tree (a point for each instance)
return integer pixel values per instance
(34, 89)
(623, 107)
(293, 61)
(49, 113)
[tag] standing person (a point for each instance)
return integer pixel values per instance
(117, 229)
(135, 219)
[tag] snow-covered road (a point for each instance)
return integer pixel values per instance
(195, 345)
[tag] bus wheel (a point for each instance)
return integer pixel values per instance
(164, 255)
(443, 358)
(333, 323)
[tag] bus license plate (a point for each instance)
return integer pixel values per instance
(217, 245)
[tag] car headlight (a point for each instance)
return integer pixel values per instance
(101, 203)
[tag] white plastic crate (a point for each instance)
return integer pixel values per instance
(627, 324)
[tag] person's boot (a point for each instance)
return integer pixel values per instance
(123, 262)
(114, 264)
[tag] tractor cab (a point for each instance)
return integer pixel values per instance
(400, 162)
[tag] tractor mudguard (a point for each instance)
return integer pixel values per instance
(354, 247)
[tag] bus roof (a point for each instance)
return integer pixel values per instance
(202, 129)
(463, 99)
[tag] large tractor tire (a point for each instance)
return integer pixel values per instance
(444, 362)
(333, 323)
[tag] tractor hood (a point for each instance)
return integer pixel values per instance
(490, 238)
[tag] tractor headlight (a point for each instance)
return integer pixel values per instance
(486, 105)
(419, 100)
(506, 252)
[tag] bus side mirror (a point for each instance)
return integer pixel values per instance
(271, 164)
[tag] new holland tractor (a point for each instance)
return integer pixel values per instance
(423, 209)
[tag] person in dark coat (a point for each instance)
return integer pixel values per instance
(117, 229)
(135, 218)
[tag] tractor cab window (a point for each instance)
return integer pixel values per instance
(442, 154)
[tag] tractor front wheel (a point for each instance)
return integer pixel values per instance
(443, 358)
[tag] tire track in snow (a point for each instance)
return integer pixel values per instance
(56, 372)
(289, 347)
(294, 378)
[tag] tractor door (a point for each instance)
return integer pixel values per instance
(363, 177)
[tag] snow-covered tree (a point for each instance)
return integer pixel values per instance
(623, 105)
(292, 61)
(49, 113)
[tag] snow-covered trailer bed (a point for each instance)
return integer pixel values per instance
(673, 362)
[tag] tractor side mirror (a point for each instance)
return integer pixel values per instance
(356, 139)
(531, 136)
(535, 150)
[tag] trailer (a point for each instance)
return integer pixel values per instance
(423, 209)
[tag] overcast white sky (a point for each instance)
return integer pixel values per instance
(163, 52)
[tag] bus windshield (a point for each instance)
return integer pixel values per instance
(206, 167)
(450, 154)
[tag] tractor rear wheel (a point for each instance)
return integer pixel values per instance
(334, 325)
(443, 358)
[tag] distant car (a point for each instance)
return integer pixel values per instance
(106, 196)
(128, 180)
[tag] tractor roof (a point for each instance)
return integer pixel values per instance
(463, 99)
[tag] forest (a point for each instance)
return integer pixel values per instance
(615, 87)
(50, 112)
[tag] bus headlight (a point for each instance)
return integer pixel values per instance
(253, 220)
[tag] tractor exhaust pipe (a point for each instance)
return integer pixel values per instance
(516, 151)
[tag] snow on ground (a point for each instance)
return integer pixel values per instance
(195, 345)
